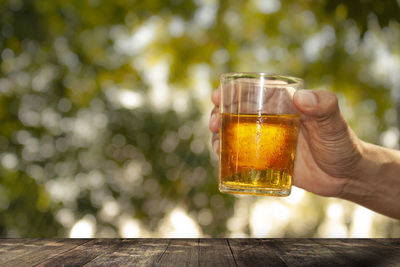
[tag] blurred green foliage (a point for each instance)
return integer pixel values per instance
(107, 101)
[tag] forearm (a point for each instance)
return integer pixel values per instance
(378, 185)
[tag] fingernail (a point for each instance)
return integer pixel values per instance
(306, 98)
(216, 146)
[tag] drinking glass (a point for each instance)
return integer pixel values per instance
(258, 133)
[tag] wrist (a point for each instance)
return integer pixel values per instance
(377, 184)
(358, 187)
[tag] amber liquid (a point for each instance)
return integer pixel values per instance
(257, 153)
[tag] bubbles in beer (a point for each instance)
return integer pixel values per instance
(257, 153)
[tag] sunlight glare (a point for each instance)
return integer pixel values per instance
(295, 196)
(268, 218)
(129, 99)
(361, 223)
(179, 224)
(129, 228)
(84, 228)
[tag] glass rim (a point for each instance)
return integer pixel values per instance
(289, 80)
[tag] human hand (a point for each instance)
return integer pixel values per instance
(328, 152)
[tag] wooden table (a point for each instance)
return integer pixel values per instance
(199, 252)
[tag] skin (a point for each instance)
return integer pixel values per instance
(331, 160)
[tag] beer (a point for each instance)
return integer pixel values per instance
(257, 153)
(258, 133)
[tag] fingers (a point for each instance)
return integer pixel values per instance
(215, 97)
(322, 108)
(215, 142)
(214, 127)
(320, 103)
(214, 120)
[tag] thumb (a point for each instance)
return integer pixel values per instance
(322, 107)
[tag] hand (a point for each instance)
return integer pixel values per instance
(328, 152)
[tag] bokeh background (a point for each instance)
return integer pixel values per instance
(104, 109)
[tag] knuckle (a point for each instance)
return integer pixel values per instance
(214, 138)
(214, 111)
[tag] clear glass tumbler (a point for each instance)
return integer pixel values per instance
(258, 133)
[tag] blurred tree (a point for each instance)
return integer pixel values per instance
(104, 104)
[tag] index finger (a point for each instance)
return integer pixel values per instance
(215, 97)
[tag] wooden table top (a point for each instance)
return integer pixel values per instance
(199, 252)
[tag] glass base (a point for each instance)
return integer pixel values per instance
(278, 192)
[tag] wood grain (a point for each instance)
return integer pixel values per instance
(82, 254)
(199, 252)
(181, 252)
(38, 251)
(252, 252)
(215, 252)
(362, 252)
(132, 252)
(297, 252)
